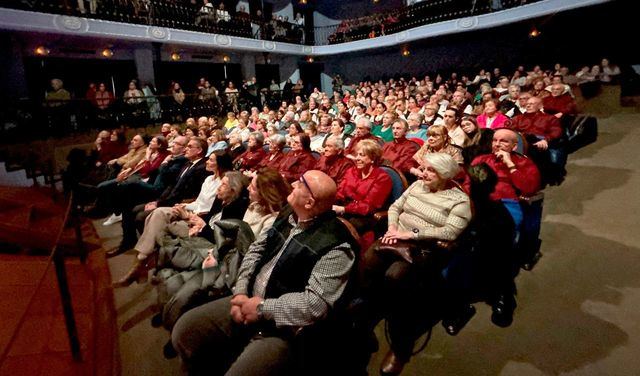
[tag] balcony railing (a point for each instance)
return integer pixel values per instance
(167, 13)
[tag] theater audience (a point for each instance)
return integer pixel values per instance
(186, 186)
(160, 219)
(319, 259)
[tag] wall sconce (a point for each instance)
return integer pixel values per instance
(175, 56)
(41, 51)
(226, 58)
(406, 53)
(107, 52)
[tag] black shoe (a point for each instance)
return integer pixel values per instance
(156, 320)
(454, 325)
(503, 309)
(531, 263)
(168, 351)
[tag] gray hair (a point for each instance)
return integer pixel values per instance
(338, 141)
(278, 140)
(258, 136)
(237, 183)
(364, 121)
(444, 164)
(417, 116)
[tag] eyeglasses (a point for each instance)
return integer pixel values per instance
(304, 181)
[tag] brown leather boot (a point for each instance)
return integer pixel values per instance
(392, 364)
(138, 272)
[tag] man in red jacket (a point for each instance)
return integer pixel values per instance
(545, 136)
(399, 152)
(559, 103)
(517, 175)
(362, 132)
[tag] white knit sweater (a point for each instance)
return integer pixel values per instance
(432, 215)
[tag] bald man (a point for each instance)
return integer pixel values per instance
(517, 175)
(289, 279)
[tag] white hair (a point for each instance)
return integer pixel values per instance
(337, 140)
(364, 121)
(444, 164)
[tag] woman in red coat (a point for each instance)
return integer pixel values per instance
(255, 153)
(365, 187)
(299, 160)
(275, 156)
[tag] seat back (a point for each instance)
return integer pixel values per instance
(398, 183)
(522, 144)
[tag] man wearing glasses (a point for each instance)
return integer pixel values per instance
(292, 278)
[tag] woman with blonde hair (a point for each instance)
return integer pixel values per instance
(438, 141)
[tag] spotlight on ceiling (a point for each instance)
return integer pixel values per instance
(41, 51)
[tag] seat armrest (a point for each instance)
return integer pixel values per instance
(380, 215)
(539, 196)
